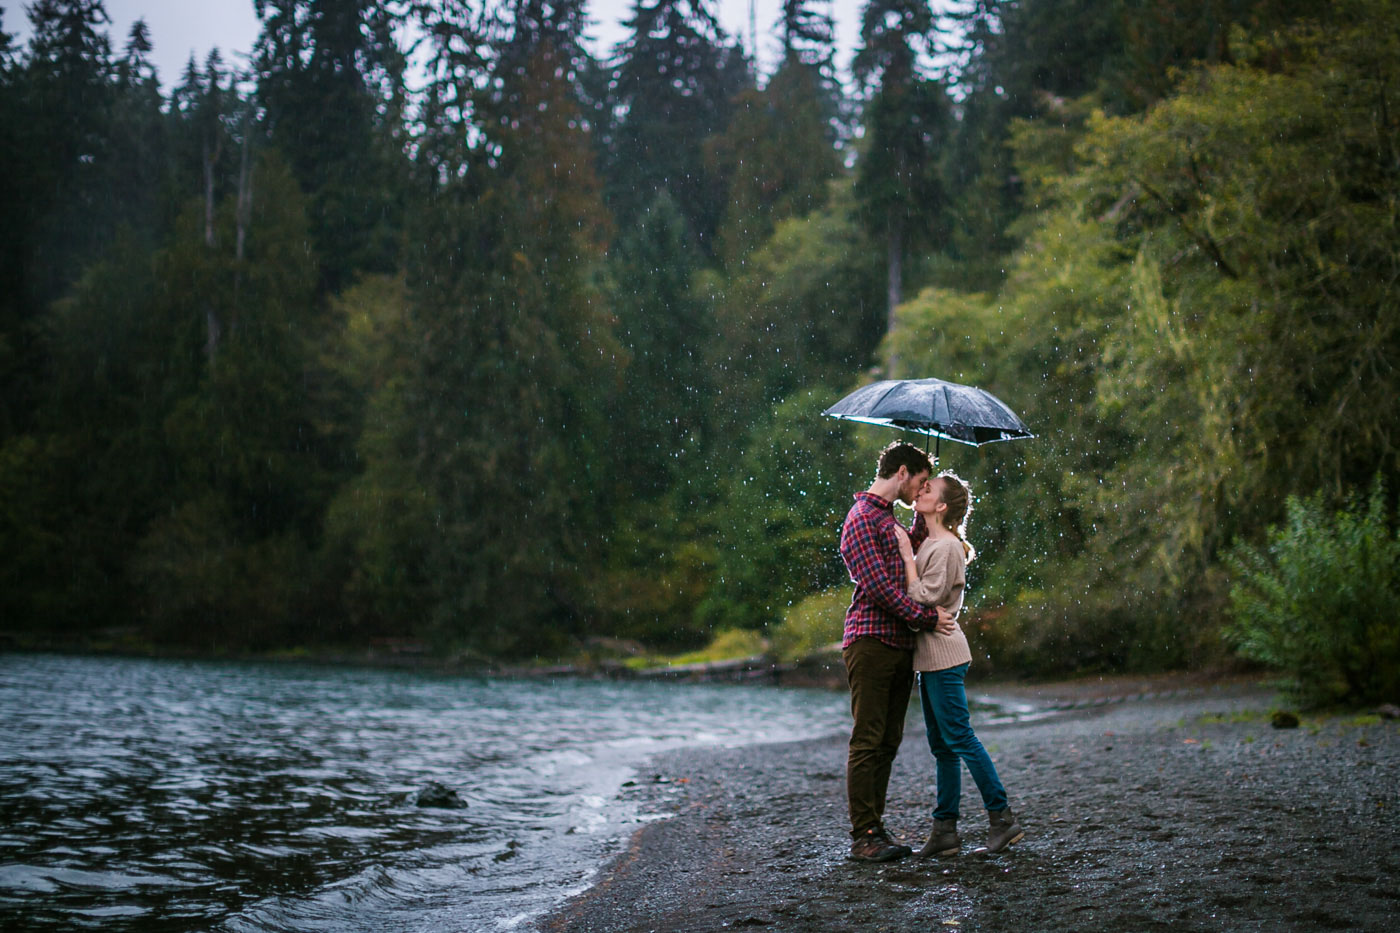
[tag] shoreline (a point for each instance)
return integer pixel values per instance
(1167, 812)
(822, 671)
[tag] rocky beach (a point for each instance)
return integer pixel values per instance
(1163, 805)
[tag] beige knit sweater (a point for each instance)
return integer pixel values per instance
(942, 566)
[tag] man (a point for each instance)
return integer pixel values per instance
(878, 644)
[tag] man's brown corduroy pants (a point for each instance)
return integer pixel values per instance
(881, 679)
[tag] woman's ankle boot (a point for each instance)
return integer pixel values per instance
(942, 839)
(1004, 830)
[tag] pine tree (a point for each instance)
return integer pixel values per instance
(15, 373)
(907, 122)
(524, 30)
(514, 339)
(660, 403)
(809, 42)
(675, 78)
(138, 171)
(58, 211)
(331, 78)
(226, 563)
(444, 143)
(6, 47)
(205, 111)
(777, 155)
(805, 32)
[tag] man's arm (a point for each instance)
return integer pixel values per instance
(863, 549)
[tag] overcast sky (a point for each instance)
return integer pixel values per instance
(179, 27)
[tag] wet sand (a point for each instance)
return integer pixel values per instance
(1145, 809)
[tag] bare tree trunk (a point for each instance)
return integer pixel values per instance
(212, 332)
(894, 265)
(243, 216)
(212, 329)
(245, 193)
(209, 161)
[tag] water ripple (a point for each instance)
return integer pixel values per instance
(152, 796)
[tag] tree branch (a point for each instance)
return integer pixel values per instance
(1203, 240)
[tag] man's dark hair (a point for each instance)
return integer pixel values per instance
(901, 454)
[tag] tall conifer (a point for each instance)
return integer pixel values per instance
(329, 75)
(58, 213)
(515, 340)
(673, 82)
(907, 121)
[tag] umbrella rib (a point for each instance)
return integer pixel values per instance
(884, 395)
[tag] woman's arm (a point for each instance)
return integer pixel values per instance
(919, 531)
(919, 587)
(906, 552)
(933, 586)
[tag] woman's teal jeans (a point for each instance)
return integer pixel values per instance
(952, 741)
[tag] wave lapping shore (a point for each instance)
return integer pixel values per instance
(1180, 813)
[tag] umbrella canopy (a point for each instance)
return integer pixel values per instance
(931, 406)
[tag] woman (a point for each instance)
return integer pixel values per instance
(937, 577)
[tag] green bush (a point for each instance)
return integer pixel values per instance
(1322, 603)
(727, 645)
(813, 624)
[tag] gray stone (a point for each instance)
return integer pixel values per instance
(436, 794)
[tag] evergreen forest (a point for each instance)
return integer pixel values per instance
(428, 326)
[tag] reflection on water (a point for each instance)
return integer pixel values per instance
(157, 795)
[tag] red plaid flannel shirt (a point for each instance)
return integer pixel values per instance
(880, 607)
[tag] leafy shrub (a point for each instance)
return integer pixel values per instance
(727, 645)
(1322, 603)
(813, 624)
(207, 590)
(785, 498)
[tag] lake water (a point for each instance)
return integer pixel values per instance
(164, 795)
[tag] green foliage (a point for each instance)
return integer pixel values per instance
(727, 645)
(105, 404)
(657, 405)
(349, 374)
(1190, 297)
(784, 503)
(659, 560)
(813, 624)
(675, 77)
(805, 308)
(1322, 602)
(376, 527)
(32, 589)
(783, 128)
(208, 587)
